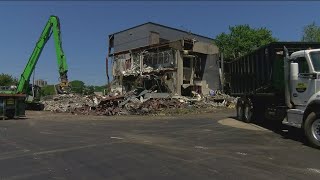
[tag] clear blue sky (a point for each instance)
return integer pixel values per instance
(85, 28)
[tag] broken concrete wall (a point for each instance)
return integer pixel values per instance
(211, 72)
(145, 69)
(179, 77)
(143, 62)
(200, 68)
(180, 67)
(126, 64)
(205, 48)
(171, 81)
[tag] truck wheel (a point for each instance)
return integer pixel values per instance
(312, 129)
(240, 112)
(248, 112)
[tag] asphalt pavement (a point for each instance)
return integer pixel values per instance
(205, 146)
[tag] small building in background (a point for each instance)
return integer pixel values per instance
(40, 82)
(163, 59)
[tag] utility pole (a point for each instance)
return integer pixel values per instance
(222, 73)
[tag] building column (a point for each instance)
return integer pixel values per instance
(179, 61)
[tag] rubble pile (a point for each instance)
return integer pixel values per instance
(221, 100)
(151, 106)
(68, 102)
(133, 103)
(107, 106)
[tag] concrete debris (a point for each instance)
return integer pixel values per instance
(134, 103)
(67, 102)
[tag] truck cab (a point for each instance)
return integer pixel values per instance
(303, 93)
(305, 76)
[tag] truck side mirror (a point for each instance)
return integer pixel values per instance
(294, 71)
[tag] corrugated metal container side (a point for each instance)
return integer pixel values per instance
(261, 71)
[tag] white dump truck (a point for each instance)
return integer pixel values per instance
(280, 81)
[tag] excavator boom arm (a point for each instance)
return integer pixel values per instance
(61, 59)
(52, 27)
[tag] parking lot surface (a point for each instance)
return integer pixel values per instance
(199, 146)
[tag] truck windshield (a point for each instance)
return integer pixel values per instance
(315, 58)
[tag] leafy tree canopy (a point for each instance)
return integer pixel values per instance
(47, 90)
(7, 80)
(311, 33)
(241, 40)
(88, 90)
(77, 86)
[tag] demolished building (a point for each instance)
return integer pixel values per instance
(164, 60)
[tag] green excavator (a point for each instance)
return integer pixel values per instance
(13, 99)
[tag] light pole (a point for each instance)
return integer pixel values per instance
(222, 72)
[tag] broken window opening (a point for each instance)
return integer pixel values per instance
(186, 62)
(148, 82)
(197, 89)
(188, 45)
(131, 83)
(191, 91)
(200, 64)
(197, 68)
(186, 91)
(168, 76)
(127, 64)
(159, 60)
(154, 83)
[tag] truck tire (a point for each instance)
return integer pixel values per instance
(240, 111)
(248, 112)
(311, 129)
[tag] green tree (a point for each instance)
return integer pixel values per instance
(311, 33)
(241, 40)
(47, 90)
(88, 90)
(7, 80)
(99, 88)
(77, 86)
